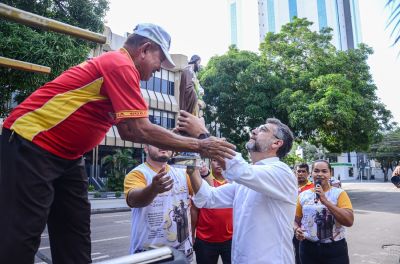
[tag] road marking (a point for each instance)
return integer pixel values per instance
(108, 239)
(109, 215)
(96, 253)
(96, 241)
(122, 222)
(101, 257)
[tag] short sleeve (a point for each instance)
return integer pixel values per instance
(122, 86)
(134, 179)
(299, 209)
(344, 201)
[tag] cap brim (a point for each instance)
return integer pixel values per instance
(168, 63)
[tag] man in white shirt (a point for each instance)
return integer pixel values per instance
(263, 194)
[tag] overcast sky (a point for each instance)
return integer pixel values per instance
(202, 27)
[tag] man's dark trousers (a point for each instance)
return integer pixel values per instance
(37, 187)
(209, 252)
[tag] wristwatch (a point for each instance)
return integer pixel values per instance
(204, 135)
(206, 175)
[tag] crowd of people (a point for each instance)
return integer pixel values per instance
(257, 212)
(242, 212)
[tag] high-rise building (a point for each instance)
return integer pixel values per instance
(340, 15)
(243, 24)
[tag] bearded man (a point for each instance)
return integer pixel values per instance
(262, 194)
(159, 197)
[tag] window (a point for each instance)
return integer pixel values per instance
(233, 24)
(143, 84)
(150, 84)
(157, 118)
(322, 20)
(157, 84)
(164, 86)
(292, 9)
(171, 120)
(171, 88)
(271, 16)
(162, 118)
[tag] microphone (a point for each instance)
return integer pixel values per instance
(317, 184)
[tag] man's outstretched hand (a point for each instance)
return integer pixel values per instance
(216, 148)
(212, 147)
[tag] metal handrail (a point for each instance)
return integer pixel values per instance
(22, 65)
(45, 23)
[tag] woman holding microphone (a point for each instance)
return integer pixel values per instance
(321, 215)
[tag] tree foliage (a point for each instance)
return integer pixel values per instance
(387, 151)
(326, 96)
(116, 166)
(394, 19)
(51, 49)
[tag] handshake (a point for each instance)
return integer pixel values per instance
(211, 147)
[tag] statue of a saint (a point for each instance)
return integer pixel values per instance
(190, 90)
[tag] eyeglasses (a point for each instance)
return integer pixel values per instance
(264, 128)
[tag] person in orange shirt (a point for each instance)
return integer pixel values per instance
(302, 172)
(214, 227)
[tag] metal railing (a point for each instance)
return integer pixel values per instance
(33, 20)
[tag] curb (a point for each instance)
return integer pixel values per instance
(110, 210)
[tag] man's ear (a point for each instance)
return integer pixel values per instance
(278, 143)
(145, 47)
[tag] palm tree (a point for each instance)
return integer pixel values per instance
(117, 166)
(394, 19)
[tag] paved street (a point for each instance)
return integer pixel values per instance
(377, 218)
(376, 224)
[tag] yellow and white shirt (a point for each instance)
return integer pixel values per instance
(166, 221)
(317, 221)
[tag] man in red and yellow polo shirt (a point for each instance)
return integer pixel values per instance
(42, 176)
(214, 228)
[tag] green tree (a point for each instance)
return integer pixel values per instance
(387, 151)
(116, 166)
(51, 49)
(312, 152)
(326, 96)
(238, 92)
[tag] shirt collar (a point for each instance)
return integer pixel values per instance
(267, 160)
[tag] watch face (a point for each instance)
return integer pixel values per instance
(204, 135)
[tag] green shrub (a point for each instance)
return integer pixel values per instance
(91, 188)
(97, 195)
(117, 194)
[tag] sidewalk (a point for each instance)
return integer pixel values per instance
(108, 205)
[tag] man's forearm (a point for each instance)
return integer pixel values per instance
(161, 137)
(140, 197)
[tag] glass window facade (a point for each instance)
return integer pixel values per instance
(292, 9)
(271, 15)
(233, 24)
(162, 118)
(322, 20)
(163, 85)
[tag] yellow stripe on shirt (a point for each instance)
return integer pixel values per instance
(57, 109)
